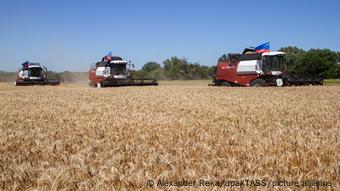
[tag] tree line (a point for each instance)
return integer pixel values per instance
(324, 62)
(7, 76)
(175, 68)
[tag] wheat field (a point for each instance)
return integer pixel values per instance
(73, 137)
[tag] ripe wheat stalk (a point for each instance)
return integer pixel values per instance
(77, 138)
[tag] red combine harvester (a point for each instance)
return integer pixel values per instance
(33, 74)
(112, 71)
(258, 69)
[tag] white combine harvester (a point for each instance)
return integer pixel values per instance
(33, 74)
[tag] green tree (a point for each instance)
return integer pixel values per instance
(175, 68)
(333, 72)
(53, 75)
(151, 66)
(315, 61)
(294, 59)
(202, 73)
(319, 61)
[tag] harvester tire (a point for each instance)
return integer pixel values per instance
(258, 83)
(93, 84)
(90, 83)
(225, 84)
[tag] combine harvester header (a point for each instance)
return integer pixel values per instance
(258, 67)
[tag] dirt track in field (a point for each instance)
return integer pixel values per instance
(73, 137)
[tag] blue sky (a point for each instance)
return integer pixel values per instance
(70, 35)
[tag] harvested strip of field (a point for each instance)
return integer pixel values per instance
(73, 137)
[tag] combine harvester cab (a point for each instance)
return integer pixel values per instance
(33, 74)
(258, 69)
(113, 72)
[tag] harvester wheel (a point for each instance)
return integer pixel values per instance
(258, 83)
(93, 85)
(226, 84)
(99, 85)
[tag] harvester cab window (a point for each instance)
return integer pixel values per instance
(34, 72)
(118, 69)
(234, 59)
(233, 62)
(272, 63)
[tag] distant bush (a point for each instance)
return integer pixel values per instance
(53, 75)
(174, 69)
(68, 76)
(7, 76)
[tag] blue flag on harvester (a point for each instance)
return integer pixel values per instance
(265, 47)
